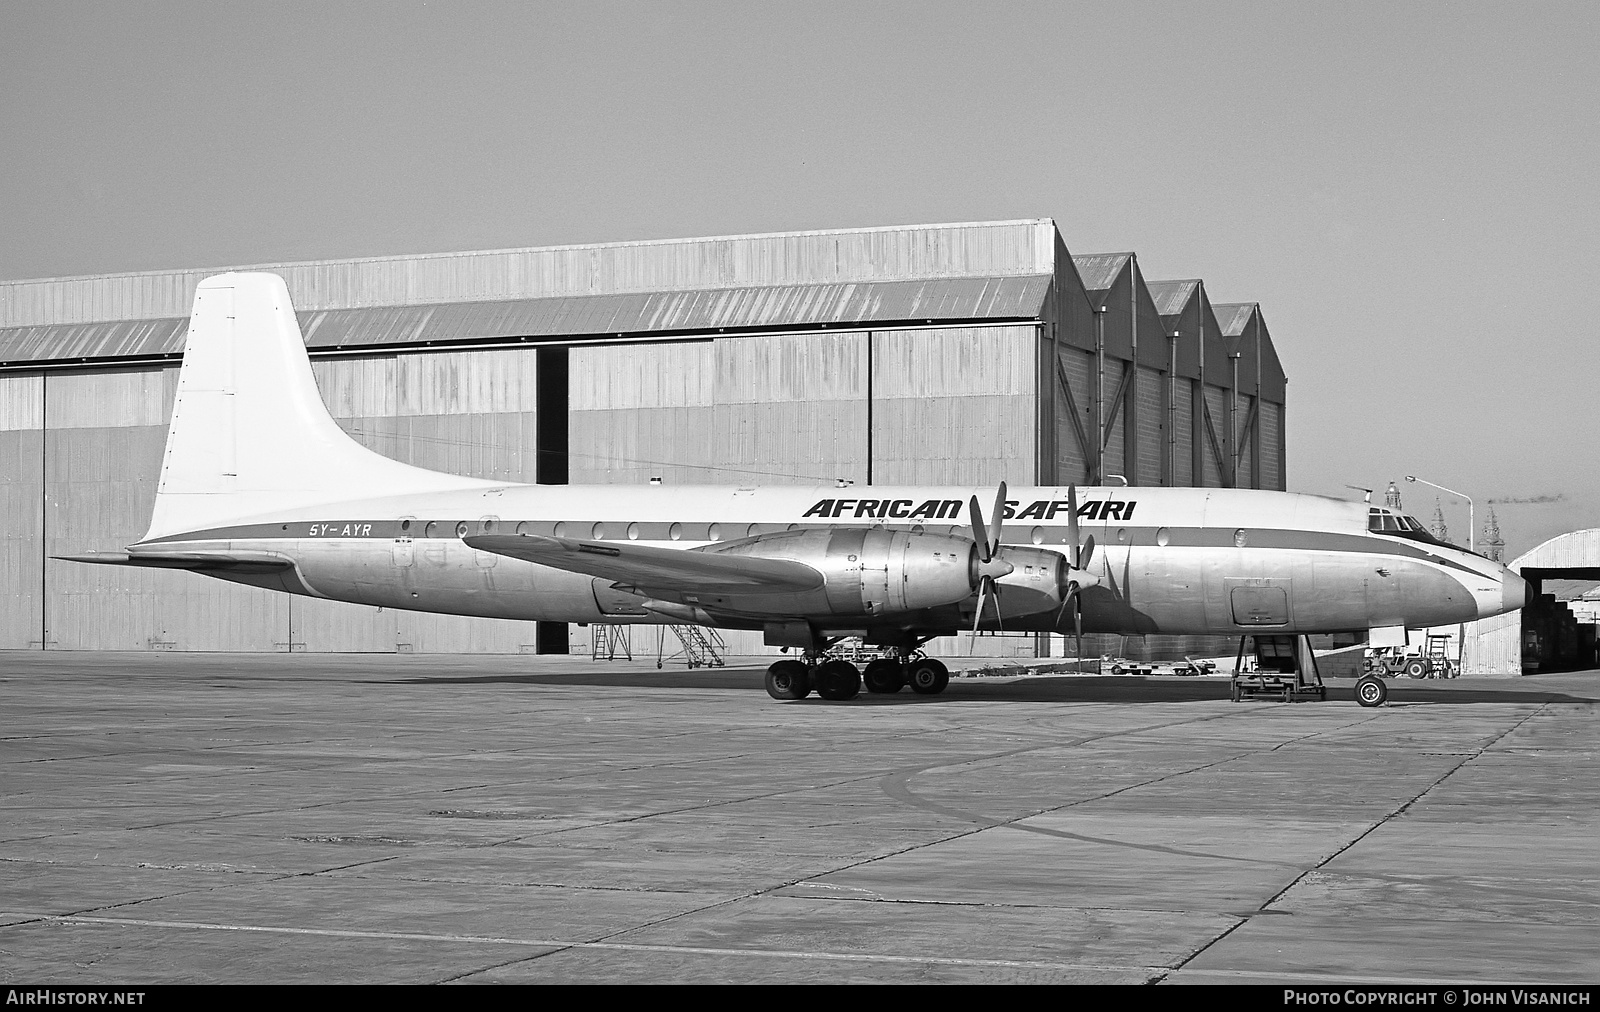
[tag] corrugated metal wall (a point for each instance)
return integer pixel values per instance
(22, 506)
(792, 408)
(638, 411)
(1152, 425)
(1214, 454)
(1244, 441)
(876, 254)
(1075, 419)
(1272, 449)
(1183, 433)
(1114, 436)
(955, 406)
(105, 433)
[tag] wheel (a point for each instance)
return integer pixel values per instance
(928, 677)
(1117, 669)
(1371, 691)
(1417, 668)
(883, 675)
(788, 680)
(837, 680)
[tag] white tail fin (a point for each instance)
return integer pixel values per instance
(250, 434)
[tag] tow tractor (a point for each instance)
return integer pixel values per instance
(1395, 662)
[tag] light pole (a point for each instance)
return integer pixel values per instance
(1472, 533)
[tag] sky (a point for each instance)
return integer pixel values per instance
(1406, 188)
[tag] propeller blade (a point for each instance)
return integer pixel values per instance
(1077, 624)
(978, 533)
(1085, 556)
(1078, 655)
(995, 520)
(977, 616)
(1072, 524)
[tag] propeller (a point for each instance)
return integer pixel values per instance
(990, 566)
(1080, 554)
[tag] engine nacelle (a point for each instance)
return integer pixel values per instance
(868, 572)
(1037, 582)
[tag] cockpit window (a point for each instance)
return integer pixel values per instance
(1401, 526)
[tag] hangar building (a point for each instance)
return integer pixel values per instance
(1547, 635)
(959, 353)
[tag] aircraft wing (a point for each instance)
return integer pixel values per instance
(656, 569)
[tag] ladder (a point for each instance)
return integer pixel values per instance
(700, 646)
(608, 640)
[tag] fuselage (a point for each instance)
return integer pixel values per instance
(1169, 560)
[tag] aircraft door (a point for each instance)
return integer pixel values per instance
(403, 554)
(1258, 602)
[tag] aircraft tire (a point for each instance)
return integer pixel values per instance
(788, 680)
(1371, 691)
(883, 676)
(928, 677)
(837, 681)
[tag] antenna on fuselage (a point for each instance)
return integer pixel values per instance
(1367, 492)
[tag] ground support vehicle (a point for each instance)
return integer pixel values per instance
(1395, 662)
(1187, 666)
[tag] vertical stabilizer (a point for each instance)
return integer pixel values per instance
(250, 434)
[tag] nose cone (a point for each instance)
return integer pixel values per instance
(1513, 592)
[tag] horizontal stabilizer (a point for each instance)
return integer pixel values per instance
(657, 569)
(231, 562)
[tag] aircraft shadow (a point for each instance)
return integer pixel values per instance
(1070, 689)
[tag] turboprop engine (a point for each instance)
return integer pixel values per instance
(1033, 579)
(1040, 580)
(867, 572)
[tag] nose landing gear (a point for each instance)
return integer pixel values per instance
(1371, 691)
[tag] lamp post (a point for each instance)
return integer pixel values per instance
(1472, 533)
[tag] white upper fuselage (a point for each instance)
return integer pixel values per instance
(1171, 558)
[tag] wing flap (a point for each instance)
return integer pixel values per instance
(656, 569)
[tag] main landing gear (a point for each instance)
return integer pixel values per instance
(837, 680)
